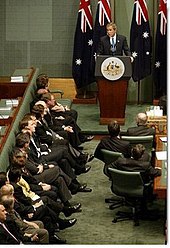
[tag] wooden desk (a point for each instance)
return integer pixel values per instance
(12, 114)
(13, 90)
(10, 90)
(160, 183)
(159, 123)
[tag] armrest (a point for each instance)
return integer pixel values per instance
(61, 92)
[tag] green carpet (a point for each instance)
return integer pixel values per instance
(94, 225)
(89, 116)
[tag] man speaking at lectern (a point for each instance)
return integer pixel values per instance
(113, 43)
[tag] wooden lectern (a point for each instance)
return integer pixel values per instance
(112, 75)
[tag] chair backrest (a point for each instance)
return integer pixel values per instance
(127, 184)
(110, 156)
(147, 141)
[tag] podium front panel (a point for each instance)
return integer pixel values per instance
(125, 60)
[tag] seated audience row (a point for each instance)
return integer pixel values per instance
(43, 173)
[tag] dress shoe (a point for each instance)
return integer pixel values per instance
(72, 209)
(67, 223)
(88, 138)
(74, 187)
(86, 169)
(83, 170)
(81, 188)
(57, 240)
(84, 189)
(90, 157)
(80, 148)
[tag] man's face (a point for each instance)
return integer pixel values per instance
(3, 213)
(32, 125)
(111, 31)
(51, 103)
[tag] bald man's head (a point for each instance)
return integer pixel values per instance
(141, 119)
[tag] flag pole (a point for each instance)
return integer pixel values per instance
(138, 92)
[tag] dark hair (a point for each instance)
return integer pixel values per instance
(114, 129)
(137, 151)
(14, 174)
(46, 97)
(24, 122)
(18, 158)
(3, 178)
(38, 110)
(42, 81)
(22, 139)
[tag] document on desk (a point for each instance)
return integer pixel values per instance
(17, 79)
(161, 155)
(163, 139)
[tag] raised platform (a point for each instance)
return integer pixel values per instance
(85, 100)
(89, 118)
(105, 121)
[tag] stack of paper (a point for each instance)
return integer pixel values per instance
(12, 102)
(161, 155)
(4, 116)
(17, 79)
(6, 108)
(163, 139)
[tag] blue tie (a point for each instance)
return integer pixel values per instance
(113, 42)
(113, 48)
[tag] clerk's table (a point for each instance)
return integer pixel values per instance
(160, 183)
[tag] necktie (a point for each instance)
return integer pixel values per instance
(6, 229)
(113, 43)
(113, 47)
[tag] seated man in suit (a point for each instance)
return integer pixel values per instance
(42, 83)
(33, 230)
(141, 129)
(6, 237)
(139, 161)
(113, 142)
(60, 120)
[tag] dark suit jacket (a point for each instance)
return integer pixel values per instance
(6, 238)
(121, 46)
(140, 131)
(44, 133)
(113, 144)
(129, 164)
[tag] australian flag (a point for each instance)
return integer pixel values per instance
(83, 41)
(160, 66)
(140, 41)
(103, 16)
